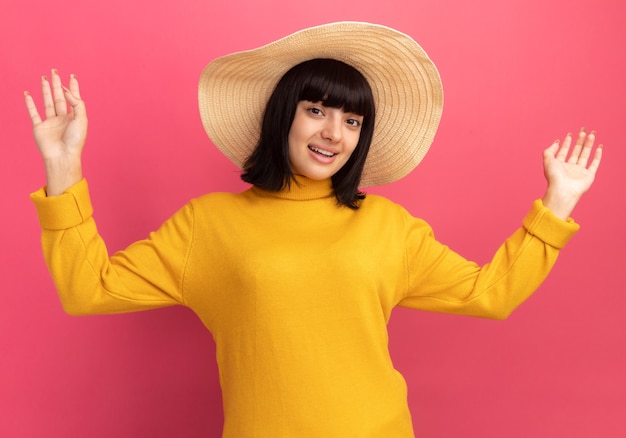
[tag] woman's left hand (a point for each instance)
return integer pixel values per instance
(569, 177)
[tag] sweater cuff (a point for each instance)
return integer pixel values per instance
(543, 224)
(67, 210)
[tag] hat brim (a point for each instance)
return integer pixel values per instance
(408, 93)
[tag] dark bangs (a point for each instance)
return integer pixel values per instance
(336, 85)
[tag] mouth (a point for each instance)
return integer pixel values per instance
(322, 152)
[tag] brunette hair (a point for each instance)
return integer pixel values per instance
(333, 83)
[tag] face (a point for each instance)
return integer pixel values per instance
(322, 139)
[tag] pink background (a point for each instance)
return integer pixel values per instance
(517, 75)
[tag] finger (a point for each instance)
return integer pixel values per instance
(74, 86)
(76, 105)
(574, 158)
(48, 100)
(551, 150)
(562, 153)
(60, 105)
(72, 95)
(585, 152)
(597, 158)
(32, 109)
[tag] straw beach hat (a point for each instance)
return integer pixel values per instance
(408, 94)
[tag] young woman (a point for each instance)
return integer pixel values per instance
(297, 276)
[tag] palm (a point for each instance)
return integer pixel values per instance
(59, 135)
(576, 176)
(569, 175)
(63, 132)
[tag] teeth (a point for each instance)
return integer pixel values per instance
(322, 152)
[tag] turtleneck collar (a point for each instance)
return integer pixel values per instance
(302, 189)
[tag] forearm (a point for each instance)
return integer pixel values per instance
(560, 202)
(83, 275)
(523, 262)
(61, 174)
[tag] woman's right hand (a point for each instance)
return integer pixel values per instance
(61, 136)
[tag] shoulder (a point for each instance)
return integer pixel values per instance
(393, 213)
(221, 199)
(379, 203)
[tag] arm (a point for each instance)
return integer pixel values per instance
(443, 281)
(440, 280)
(148, 274)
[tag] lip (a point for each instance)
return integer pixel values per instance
(326, 159)
(320, 157)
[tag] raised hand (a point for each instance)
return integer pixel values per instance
(61, 135)
(570, 171)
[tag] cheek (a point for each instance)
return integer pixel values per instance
(293, 151)
(354, 140)
(296, 134)
(292, 140)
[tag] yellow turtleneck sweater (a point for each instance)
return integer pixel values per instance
(297, 293)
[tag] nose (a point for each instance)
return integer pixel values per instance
(332, 128)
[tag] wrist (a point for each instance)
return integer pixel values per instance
(560, 203)
(61, 174)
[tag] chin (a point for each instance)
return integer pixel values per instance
(317, 176)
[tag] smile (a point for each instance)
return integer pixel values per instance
(322, 152)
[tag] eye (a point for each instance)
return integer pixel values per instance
(316, 111)
(354, 123)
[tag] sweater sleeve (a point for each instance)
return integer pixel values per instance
(442, 281)
(148, 274)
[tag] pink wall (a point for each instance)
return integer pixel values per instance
(517, 75)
